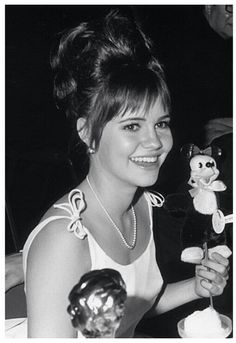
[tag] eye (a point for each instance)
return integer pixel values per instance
(200, 165)
(132, 127)
(163, 124)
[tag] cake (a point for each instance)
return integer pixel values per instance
(206, 323)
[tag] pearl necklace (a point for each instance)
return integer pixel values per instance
(129, 246)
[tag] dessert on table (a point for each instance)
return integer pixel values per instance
(207, 323)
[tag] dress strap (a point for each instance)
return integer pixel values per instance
(74, 207)
(154, 198)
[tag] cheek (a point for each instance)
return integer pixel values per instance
(119, 146)
(168, 142)
(112, 151)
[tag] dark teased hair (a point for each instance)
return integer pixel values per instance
(102, 69)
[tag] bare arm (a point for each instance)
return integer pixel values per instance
(56, 261)
(210, 276)
(177, 294)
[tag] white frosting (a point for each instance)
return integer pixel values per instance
(206, 323)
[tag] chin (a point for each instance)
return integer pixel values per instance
(147, 181)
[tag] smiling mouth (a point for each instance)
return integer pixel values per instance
(144, 161)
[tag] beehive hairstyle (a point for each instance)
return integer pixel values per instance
(104, 68)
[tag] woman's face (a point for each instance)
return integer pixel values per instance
(134, 146)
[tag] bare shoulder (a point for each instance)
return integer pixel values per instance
(55, 242)
(55, 250)
(56, 261)
(55, 209)
(55, 236)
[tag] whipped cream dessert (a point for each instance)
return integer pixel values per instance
(205, 324)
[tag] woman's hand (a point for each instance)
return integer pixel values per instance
(212, 276)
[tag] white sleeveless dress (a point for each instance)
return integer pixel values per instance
(142, 277)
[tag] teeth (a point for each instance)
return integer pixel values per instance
(144, 159)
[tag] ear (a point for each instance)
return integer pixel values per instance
(83, 131)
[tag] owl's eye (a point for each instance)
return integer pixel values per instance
(200, 165)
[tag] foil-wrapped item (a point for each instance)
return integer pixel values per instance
(97, 303)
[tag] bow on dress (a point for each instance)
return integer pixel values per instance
(74, 207)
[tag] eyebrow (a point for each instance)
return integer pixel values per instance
(165, 116)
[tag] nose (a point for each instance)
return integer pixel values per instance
(152, 140)
(210, 164)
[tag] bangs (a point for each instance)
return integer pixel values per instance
(135, 90)
(135, 102)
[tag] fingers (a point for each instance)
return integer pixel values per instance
(221, 259)
(213, 273)
(212, 278)
(220, 264)
(213, 288)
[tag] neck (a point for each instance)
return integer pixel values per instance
(116, 196)
(120, 216)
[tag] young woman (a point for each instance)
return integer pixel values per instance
(113, 89)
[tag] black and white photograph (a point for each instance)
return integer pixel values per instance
(118, 170)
